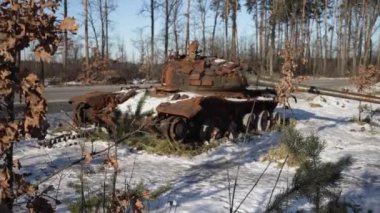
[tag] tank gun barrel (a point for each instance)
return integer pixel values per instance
(323, 91)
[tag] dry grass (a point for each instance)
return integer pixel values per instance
(161, 146)
(278, 154)
(314, 105)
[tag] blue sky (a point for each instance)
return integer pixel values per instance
(126, 20)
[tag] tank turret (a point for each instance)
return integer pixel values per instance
(200, 73)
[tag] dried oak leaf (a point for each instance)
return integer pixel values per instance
(69, 24)
(41, 54)
(4, 178)
(17, 164)
(87, 157)
(146, 194)
(139, 205)
(124, 203)
(26, 188)
(111, 162)
(9, 133)
(30, 122)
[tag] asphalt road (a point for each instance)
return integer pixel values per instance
(58, 96)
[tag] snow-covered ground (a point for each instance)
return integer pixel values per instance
(200, 184)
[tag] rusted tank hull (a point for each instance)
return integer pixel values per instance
(212, 117)
(97, 107)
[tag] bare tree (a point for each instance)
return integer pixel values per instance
(65, 48)
(170, 6)
(235, 5)
(202, 7)
(86, 46)
(102, 28)
(226, 16)
(93, 25)
(215, 6)
(106, 13)
(187, 33)
(177, 6)
(152, 8)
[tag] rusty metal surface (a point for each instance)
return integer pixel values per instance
(203, 73)
(97, 107)
(186, 108)
(323, 91)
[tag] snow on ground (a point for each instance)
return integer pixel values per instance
(150, 103)
(200, 184)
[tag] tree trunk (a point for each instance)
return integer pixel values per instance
(65, 47)
(262, 37)
(257, 29)
(325, 37)
(102, 28)
(371, 21)
(272, 46)
(86, 46)
(214, 29)
(303, 54)
(166, 36)
(187, 39)
(203, 11)
(106, 11)
(152, 8)
(175, 26)
(349, 37)
(93, 27)
(234, 31)
(225, 40)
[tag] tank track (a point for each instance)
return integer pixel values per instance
(52, 142)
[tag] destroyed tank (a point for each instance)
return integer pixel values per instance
(200, 98)
(221, 104)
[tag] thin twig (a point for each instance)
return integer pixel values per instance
(59, 184)
(278, 177)
(234, 190)
(254, 185)
(93, 154)
(229, 187)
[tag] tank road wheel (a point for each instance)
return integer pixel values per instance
(275, 119)
(263, 121)
(81, 114)
(178, 129)
(249, 122)
(208, 130)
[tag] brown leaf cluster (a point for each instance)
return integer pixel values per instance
(366, 77)
(87, 157)
(285, 87)
(24, 22)
(8, 135)
(6, 84)
(110, 161)
(4, 178)
(69, 24)
(123, 201)
(40, 205)
(34, 123)
(98, 69)
(22, 186)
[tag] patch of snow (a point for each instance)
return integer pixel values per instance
(73, 83)
(200, 184)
